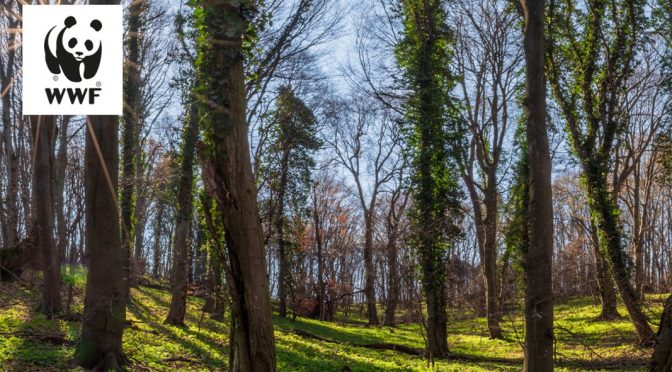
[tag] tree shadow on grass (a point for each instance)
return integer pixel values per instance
(42, 344)
(147, 345)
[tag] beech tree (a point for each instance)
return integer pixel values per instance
(130, 134)
(44, 131)
(104, 315)
(538, 251)
(227, 176)
(9, 218)
(367, 143)
(488, 59)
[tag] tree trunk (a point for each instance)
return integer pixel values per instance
(322, 292)
(130, 132)
(489, 258)
(637, 244)
(43, 130)
(393, 283)
(437, 322)
(105, 302)
(178, 302)
(158, 231)
(10, 230)
(369, 268)
(539, 256)
(662, 352)
(605, 216)
(139, 263)
(604, 282)
(283, 269)
(227, 176)
(59, 186)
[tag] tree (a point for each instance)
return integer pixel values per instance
(424, 54)
(178, 302)
(44, 131)
(538, 255)
(288, 168)
(588, 84)
(367, 143)
(105, 301)
(394, 232)
(488, 59)
(9, 218)
(130, 133)
(227, 176)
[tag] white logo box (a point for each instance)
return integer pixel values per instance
(100, 94)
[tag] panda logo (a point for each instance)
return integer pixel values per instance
(78, 50)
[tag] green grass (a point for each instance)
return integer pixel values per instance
(28, 341)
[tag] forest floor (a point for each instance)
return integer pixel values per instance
(29, 342)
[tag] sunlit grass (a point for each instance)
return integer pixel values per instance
(582, 342)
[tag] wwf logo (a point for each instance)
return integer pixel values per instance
(78, 49)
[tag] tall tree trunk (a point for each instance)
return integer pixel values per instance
(490, 257)
(392, 284)
(178, 302)
(43, 130)
(59, 187)
(158, 231)
(369, 268)
(227, 176)
(139, 226)
(605, 216)
(130, 132)
(105, 302)
(637, 244)
(322, 290)
(10, 230)
(283, 269)
(539, 255)
(604, 282)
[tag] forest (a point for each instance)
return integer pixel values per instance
(344, 185)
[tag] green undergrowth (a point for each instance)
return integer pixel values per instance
(28, 341)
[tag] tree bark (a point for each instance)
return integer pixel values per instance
(130, 133)
(105, 302)
(178, 302)
(322, 291)
(370, 269)
(44, 130)
(227, 176)
(538, 258)
(605, 216)
(59, 186)
(490, 258)
(604, 282)
(158, 231)
(393, 284)
(10, 229)
(283, 270)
